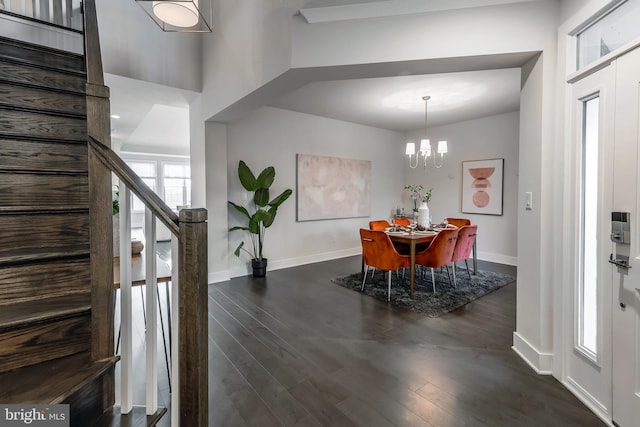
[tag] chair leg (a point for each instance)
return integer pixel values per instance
(364, 277)
(433, 280)
(468, 271)
(455, 282)
(448, 273)
(389, 290)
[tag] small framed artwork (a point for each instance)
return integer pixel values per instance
(482, 186)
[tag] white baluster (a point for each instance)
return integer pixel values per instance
(152, 318)
(175, 318)
(126, 312)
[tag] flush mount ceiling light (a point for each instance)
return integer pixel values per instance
(425, 146)
(184, 16)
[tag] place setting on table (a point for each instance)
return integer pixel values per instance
(413, 228)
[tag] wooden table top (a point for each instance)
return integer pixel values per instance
(418, 237)
(163, 270)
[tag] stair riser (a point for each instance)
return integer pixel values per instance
(39, 99)
(17, 73)
(45, 280)
(41, 56)
(43, 156)
(45, 126)
(88, 403)
(27, 235)
(34, 344)
(51, 191)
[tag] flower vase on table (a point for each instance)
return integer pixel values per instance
(423, 215)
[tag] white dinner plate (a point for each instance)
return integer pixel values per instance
(426, 233)
(396, 233)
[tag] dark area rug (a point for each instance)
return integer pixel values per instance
(446, 299)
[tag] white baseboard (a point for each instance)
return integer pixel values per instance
(218, 276)
(540, 362)
(498, 258)
(245, 270)
(589, 401)
(294, 262)
(310, 259)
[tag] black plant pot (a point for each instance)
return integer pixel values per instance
(259, 267)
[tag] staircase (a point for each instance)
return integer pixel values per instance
(45, 272)
(57, 294)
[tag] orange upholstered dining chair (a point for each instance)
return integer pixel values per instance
(459, 222)
(439, 252)
(402, 221)
(379, 225)
(379, 252)
(464, 245)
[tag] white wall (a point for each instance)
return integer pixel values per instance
(487, 138)
(134, 46)
(250, 46)
(216, 199)
(272, 137)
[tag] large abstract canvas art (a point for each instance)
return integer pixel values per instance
(482, 186)
(332, 187)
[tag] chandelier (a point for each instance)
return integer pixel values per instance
(425, 147)
(185, 16)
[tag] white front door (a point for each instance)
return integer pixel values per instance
(588, 297)
(626, 282)
(602, 354)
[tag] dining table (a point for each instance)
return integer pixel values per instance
(412, 239)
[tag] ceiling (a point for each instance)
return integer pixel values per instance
(384, 98)
(396, 103)
(145, 114)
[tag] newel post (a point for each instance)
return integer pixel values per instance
(193, 338)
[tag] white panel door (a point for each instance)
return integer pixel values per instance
(588, 297)
(626, 283)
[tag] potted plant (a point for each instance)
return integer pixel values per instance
(415, 194)
(422, 212)
(261, 215)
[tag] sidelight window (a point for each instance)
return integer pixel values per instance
(588, 298)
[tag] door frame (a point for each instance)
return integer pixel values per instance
(598, 400)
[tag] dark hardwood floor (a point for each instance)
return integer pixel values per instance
(293, 349)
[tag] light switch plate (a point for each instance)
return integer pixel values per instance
(528, 204)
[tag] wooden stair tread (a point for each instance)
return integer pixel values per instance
(44, 309)
(52, 381)
(136, 418)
